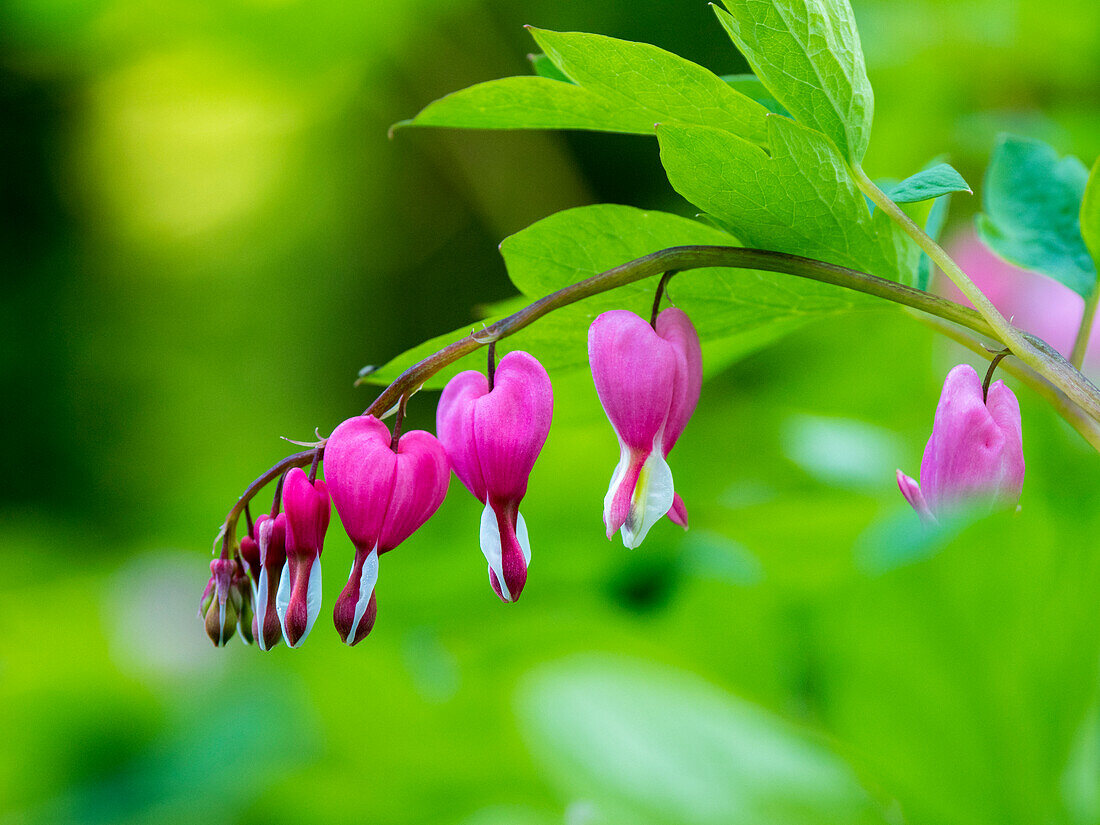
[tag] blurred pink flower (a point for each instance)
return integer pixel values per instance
(1033, 302)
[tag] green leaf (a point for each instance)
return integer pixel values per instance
(649, 744)
(641, 77)
(807, 53)
(1032, 201)
(801, 199)
(929, 183)
(736, 311)
(544, 67)
(750, 86)
(614, 86)
(1090, 214)
(530, 103)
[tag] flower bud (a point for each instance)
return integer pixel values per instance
(271, 548)
(383, 496)
(221, 601)
(250, 552)
(974, 456)
(492, 438)
(648, 381)
(307, 509)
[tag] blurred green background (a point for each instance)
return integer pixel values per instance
(206, 232)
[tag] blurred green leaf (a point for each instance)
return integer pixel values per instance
(964, 676)
(655, 745)
(1090, 214)
(929, 183)
(841, 452)
(511, 815)
(664, 86)
(800, 199)
(1032, 200)
(807, 52)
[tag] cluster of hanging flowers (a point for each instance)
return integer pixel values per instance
(490, 430)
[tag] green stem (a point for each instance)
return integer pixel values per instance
(681, 258)
(1073, 415)
(1042, 359)
(676, 258)
(1084, 332)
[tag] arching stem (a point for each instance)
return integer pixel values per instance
(1046, 362)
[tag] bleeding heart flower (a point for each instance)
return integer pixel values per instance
(493, 437)
(307, 510)
(975, 453)
(648, 381)
(383, 496)
(271, 549)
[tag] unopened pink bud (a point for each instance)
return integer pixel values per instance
(974, 456)
(307, 509)
(383, 496)
(492, 438)
(271, 547)
(648, 381)
(221, 601)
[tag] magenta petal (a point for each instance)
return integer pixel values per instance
(971, 455)
(305, 597)
(271, 534)
(911, 490)
(513, 559)
(307, 510)
(674, 326)
(678, 514)
(250, 548)
(360, 469)
(1005, 411)
(511, 424)
(454, 422)
(634, 371)
(420, 485)
(622, 495)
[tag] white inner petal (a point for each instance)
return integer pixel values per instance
(367, 580)
(261, 608)
(524, 541)
(313, 599)
(221, 618)
(282, 595)
(652, 497)
(490, 546)
(616, 479)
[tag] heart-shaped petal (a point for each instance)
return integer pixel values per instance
(419, 487)
(360, 469)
